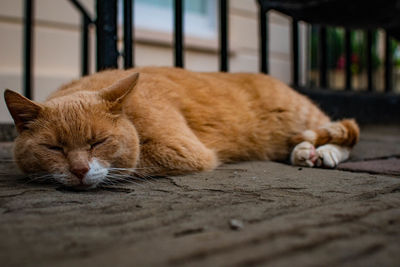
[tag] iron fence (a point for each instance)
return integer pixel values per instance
(371, 107)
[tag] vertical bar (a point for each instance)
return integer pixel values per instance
(178, 32)
(107, 53)
(223, 35)
(388, 64)
(263, 9)
(295, 52)
(28, 47)
(85, 24)
(85, 45)
(348, 59)
(323, 53)
(128, 34)
(369, 61)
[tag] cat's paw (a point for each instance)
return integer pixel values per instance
(329, 156)
(304, 154)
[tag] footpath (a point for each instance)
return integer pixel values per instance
(246, 214)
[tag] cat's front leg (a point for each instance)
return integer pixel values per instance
(180, 156)
(304, 154)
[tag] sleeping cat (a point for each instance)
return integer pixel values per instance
(168, 121)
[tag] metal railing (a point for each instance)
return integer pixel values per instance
(107, 53)
(87, 21)
(293, 9)
(367, 107)
(106, 36)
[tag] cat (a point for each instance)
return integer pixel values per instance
(170, 121)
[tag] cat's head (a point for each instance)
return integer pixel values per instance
(77, 139)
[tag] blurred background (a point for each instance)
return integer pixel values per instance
(57, 44)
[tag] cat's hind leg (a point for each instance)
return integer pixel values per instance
(326, 146)
(328, 156)
(331, 155)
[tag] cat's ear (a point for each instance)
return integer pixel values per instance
(117, 92)
(22, 110)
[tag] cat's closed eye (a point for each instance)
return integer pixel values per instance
(54, 148)
(97, 143)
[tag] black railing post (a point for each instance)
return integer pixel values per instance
(128, 34)
(263, 26)
(323, 53)
(178, 33)
(28, 47)
(106, 27)
(295, 52)
(348, 59)
(85, 24)
(388, 64)
(223, 35)
(369, 60)
(85, 45)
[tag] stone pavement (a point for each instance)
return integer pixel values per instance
(247, 214)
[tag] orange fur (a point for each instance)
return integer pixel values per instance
(344, 133)
(174, 121)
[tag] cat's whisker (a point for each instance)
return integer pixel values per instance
(130, 176)
(105, 182)
(124, 169)
(109, 182)
(48, 177)
(146, 177)
(36, 180)
(41, 176)
(135, 176)
(39, 179)
(133, 169)
(125, 180)
(120, 174)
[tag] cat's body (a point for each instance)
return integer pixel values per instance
(173, 121)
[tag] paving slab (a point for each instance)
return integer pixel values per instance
(289, 214)
(377, 152)
(376, 142)
(246, 214)
(390, 166)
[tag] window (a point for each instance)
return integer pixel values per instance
(157, 15)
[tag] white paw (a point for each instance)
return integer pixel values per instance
(330, 156)
(304, 154)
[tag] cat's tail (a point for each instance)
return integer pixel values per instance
(343, 133)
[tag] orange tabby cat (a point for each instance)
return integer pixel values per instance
(170, 121)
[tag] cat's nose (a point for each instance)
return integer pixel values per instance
(80, 171)
(78, 163)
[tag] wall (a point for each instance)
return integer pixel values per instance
(57, 45)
